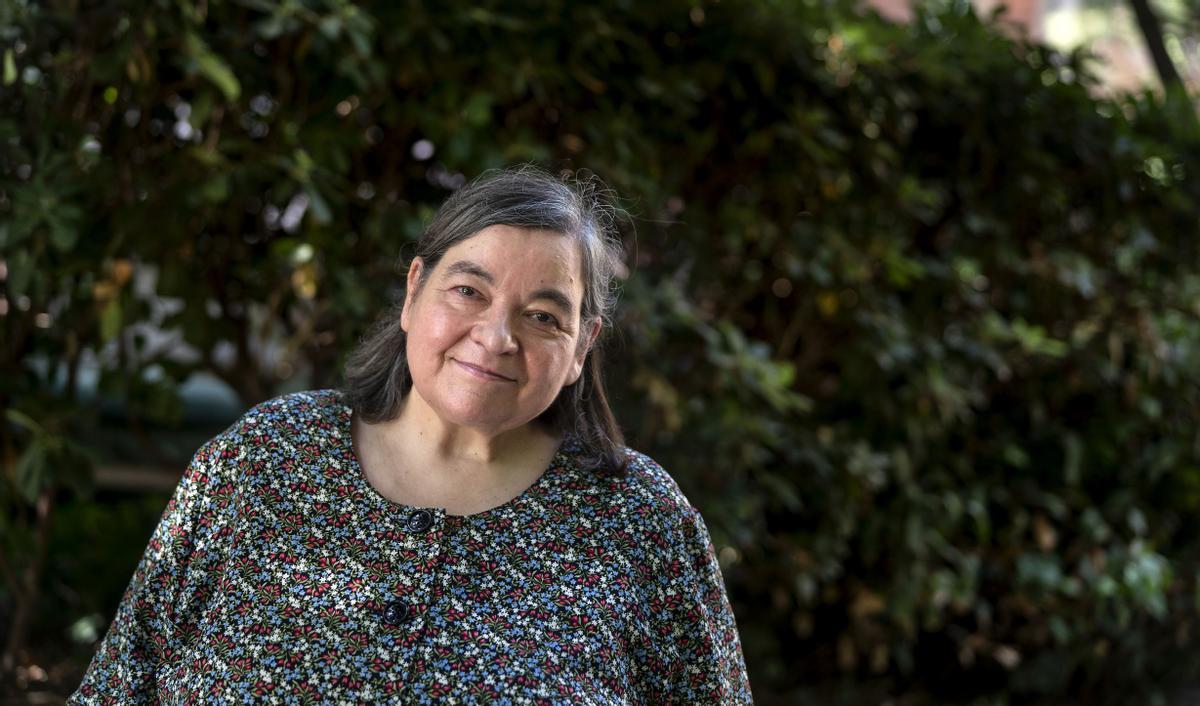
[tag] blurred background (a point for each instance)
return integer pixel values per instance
(912, 313)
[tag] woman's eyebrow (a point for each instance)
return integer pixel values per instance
(556, 297)
(466, 267)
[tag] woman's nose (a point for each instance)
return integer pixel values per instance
(495, 333)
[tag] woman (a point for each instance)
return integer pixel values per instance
(459, 524)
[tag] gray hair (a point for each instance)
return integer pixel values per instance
(377, 375)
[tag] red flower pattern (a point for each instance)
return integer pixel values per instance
(278, 575)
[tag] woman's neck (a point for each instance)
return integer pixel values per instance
(426, 436)
(416, 459)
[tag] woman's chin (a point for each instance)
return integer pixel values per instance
(478, 418)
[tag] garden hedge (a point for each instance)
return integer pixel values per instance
(913, 316)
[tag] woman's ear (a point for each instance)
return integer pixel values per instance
(591, 332)
(415, 268)
(588, 333)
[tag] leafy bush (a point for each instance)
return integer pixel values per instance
(914, 319)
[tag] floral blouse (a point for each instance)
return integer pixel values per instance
(279, 575)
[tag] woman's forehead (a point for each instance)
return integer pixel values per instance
(501, 249)
(498, 254)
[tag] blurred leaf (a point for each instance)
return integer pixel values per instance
(110, 320)
(10, 68)
(31, 469)
(212, 67)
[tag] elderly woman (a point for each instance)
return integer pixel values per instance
(459, 524)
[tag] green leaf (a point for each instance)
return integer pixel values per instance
(318, 204)
(63, 231)
(212, 67)
(10, 68)
(18, 417)
(110, 320)
(73, 465)
(20, 273)
(31, 470)
(782, 491)
(86, 630)
(215, 189)
(1072, 458)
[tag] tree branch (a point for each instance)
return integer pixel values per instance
(1152, 32)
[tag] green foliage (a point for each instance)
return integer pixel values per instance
(913, 317)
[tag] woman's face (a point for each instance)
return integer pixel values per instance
(494, 332)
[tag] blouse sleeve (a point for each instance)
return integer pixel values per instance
(174, 579)
(700, 660)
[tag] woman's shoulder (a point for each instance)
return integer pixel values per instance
(306, 405)
(647, 488)
(315, 413)
(294, 431)
(646, 510)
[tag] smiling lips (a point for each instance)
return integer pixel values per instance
(483, 373)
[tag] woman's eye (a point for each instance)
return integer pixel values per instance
(543, 318)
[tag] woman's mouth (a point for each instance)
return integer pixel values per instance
(482, 373)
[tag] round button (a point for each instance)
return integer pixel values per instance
(395, 613)
(420, 521)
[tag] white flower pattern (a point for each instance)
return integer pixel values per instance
(278, 575)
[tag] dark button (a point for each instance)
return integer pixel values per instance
(420, 521)
(395, 613)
